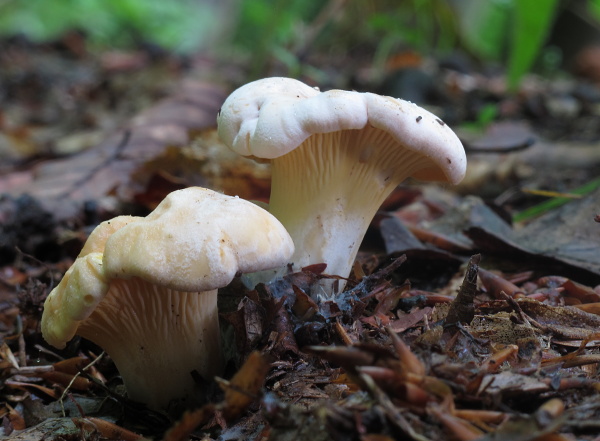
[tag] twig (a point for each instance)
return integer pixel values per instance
(66, 391)
(391, 411)
(22, 254)
(368, 283)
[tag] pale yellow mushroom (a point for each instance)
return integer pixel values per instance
(335, 157)
(145, 289)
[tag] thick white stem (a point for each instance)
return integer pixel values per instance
(157, 337)
(327, 191)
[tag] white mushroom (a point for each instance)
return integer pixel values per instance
(145, 289)
(335, 158)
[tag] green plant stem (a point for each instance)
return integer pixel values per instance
(553, 203)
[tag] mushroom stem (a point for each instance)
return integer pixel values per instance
(157, 351)
(326, 197)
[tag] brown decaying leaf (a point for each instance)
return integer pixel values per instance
(7, 358)
(241, 391)
(245, 386)
(115, 165)
(458, 428)
(16, 419)
(364, 288)
(349, 357)
(495, 284)
(395, 384)
(494, 363)
(439, 240)
(188, 423)
(540, 426)
(477, 416)
(406, 321)
(375, 437)
(592, 308)
(566, 322)
(583, 293)
(71, 365)
(389, 298)
(64, 379)
(408, 361)
(392, 412)
(247, 322)
(304, 307)
(281, 341)
(316, 268)
(104, 429)
(343, 334)
(29, 387)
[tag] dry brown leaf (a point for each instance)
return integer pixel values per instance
(248, 324)
(116, 165)
(245, 386)
(29, 387)
(304, 307)
(409, 362)
(375, 437)
(65, 379)
(71, 365)
(457, 427)
(105, 429)
(567, 322)
(16, 419)
(188, 423)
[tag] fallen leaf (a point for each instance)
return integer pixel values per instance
(245, 386)
(105, 429)
(62, 186)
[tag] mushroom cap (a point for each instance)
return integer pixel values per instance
(270, 117)
(97, 239)
(197, 240)
(83, 286)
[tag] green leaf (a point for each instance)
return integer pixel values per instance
(179, 25)
(532, 21)
(484, 27)
(594, 7)
(553, 203)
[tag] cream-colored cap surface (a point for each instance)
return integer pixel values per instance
(82, 287)
(196, 240)
(270, 117)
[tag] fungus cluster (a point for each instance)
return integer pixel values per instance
(145, 289)
(335, 157)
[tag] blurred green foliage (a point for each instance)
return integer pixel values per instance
(594, 7)
(513, 31)
(178, 25)
(262, 32)
(424, 25)
(269, 28)
(532, 23)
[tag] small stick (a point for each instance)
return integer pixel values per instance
(66, 391)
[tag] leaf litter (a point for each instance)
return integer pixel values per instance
(456, 324)
(489, 354)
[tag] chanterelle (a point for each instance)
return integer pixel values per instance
(145, 289)
(335, 157)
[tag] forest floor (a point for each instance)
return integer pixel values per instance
(474, 312)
